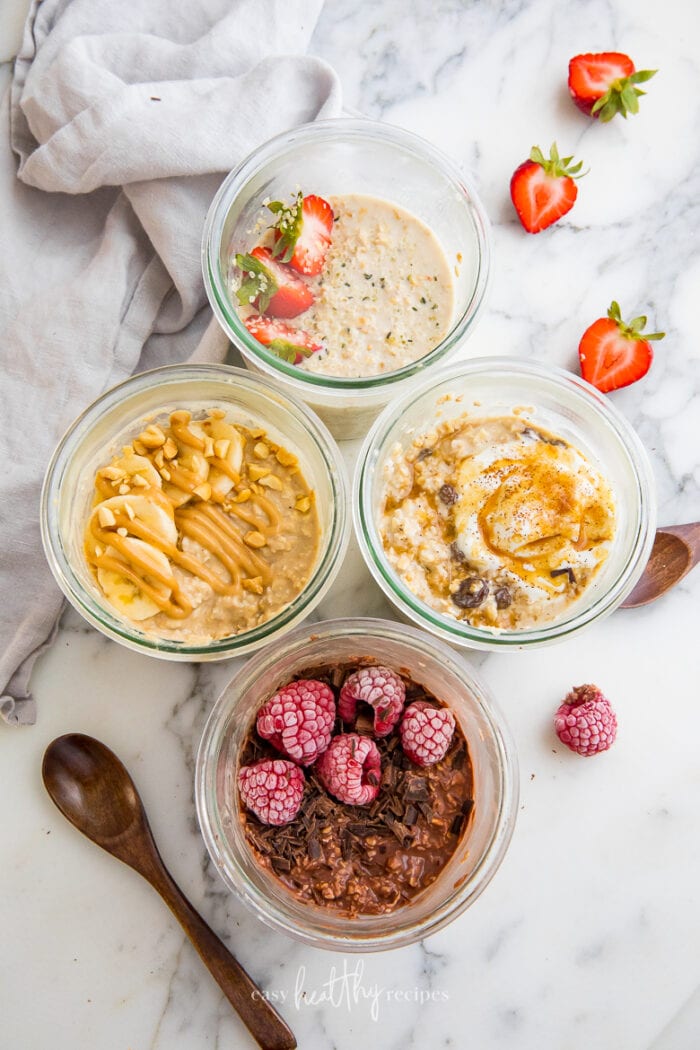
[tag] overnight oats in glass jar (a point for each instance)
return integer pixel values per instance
(345, 258)
(356, 785)
(504, 505)
(194, 512)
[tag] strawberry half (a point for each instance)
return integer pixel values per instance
(303, 234)
(291, 344)
(606, 84)
(544, 190)
(271, 287)
(614, 354)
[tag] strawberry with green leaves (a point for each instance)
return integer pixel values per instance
(291, 344)
(271, 287)
(614, 354)
(543, 190)
(303, 233)
(606, 84)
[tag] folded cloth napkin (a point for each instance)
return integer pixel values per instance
(123, 116)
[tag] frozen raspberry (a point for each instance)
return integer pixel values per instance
(426, 732)
(586, 722)
(382, 689)
(351, 769)
(298, 720)
(272, 790)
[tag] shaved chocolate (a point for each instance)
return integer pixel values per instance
(356, 860)
(568, 571)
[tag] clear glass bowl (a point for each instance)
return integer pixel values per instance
(334, 157)
(492, 752)
(115, 419)
(562, 404)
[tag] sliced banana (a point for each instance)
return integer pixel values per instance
(220, 431)
(133, 464)
(134, 508)
(192, 463)
(125, 594)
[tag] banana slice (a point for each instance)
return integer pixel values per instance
(133, 464)
(191, 469)
(134, 508)
(125, 594)
(220, 432)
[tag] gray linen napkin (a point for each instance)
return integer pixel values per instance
(123, 116)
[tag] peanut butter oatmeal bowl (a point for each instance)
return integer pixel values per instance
(345, 258)
(195, 513)
(356, 785)
(506, 505)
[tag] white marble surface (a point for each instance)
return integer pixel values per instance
(588, 936)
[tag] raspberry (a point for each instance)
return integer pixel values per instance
(586, 722)
(298, 720)
(351, 769)
(426, 732)
(272, 790)
(382, 689)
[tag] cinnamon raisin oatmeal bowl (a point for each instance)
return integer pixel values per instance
(345, 258)
(195, 513)
(356, 785)
(507, 504)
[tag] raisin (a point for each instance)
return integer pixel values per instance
(448, 495)
(503, 598)
(456, 553)
(470, 593)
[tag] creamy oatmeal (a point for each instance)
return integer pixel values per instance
(495, 521)
(201, 529)
(385, 295)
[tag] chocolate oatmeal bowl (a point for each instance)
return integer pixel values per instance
(356, 785)
(360, 245)
(505, 505)
(195, 513)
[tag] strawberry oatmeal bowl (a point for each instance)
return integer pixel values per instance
(356, 786)
(195, 513)
(345, 258)
(505, 505)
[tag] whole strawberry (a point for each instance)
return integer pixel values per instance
(586, 722)
(272, 790)
(382, 689)
(351, 769)
(543, 190)
(614, 354)
(426, 732)
(298, 720)
(605, 84)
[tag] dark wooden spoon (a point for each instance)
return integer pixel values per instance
(675, 552)
(94, 791)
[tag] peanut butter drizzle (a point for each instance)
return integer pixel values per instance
(205, 522)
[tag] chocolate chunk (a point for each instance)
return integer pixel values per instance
(410, 816)
(536, 435)
(423, 454)
(503, 598)
(280, 864)
(456, 553)
(457, 824)
(417, 790)
(313, 849)
(470, 593)
(467, 806)
(568, 571)
(448, 495)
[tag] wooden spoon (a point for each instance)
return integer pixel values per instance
(675, 552)
(95, 793)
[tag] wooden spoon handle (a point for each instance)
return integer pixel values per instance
(263, 1022)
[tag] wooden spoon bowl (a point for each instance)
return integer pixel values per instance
(675, 552)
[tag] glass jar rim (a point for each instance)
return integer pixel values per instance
(457, 631)
(100, 617)
(464, 894)
(306, 383)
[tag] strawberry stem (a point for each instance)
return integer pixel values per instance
(634, 328)
(557, 166)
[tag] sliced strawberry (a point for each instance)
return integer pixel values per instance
(614, 354)
(303, 233)
(291, 344)
(605, 84)
(544, 190)
(270, 286)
